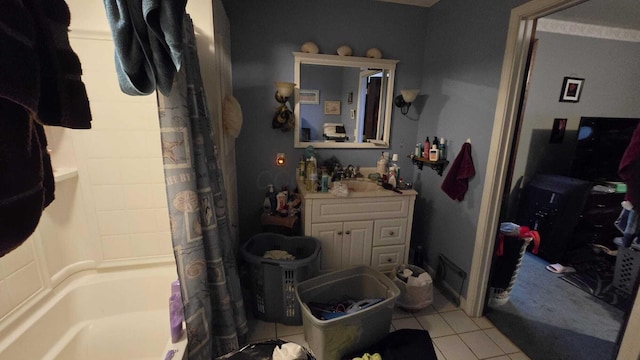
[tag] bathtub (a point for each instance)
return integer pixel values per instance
(111, 315)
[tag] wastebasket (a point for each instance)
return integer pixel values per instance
(273, 281)
(331, 339)
(415, 294)
(507, 264)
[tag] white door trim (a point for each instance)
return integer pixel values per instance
(521, 27)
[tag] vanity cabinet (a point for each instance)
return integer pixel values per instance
(371, 228)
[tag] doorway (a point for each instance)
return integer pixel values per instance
(521, 28)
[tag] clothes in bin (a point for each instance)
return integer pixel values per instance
(331, 339)
(273, 280)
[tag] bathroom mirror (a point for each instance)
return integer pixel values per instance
(342, 101)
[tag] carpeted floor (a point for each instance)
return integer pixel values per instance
(548, 318)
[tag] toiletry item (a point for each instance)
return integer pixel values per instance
(443, 149)
(176, 313)
(175, 317)
(418, 150)
(273, 201)
(425, 149)
(433, 153)
(301, 168)
(392, 177)
(418, 258)
(324, 182)
(266, 205)
(312, 175)
(381, 166)
(281, 197)
(435, 142)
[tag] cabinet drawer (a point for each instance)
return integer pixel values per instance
(385, 258)
(330, 210)
(389, 232)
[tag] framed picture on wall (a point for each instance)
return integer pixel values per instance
(309, 96)
(332, 107)
(571, 89)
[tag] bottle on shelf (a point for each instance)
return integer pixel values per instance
(442, 146)
(425, 149)
(433, 153)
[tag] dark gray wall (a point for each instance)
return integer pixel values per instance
(463, 59)
(263, 36)
(612, 82)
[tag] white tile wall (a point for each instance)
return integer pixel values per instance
(116, 209)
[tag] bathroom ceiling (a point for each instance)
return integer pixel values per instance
(623, 14)
(612, 13)
(423, 3)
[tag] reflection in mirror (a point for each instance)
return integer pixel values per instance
(343, 102)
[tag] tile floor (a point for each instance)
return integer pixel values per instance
(455, 335)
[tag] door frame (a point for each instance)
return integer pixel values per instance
(520, 34)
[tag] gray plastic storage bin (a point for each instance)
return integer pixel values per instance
(331, 339)
(273, 282)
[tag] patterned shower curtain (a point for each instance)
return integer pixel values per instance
(202, 240)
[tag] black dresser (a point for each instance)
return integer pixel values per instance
(595, 225)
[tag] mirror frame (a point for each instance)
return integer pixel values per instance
(345, 61)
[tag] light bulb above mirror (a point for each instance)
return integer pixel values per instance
(404, 100)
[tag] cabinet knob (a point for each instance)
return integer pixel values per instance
(391, 233)
(389, 260)
(348, 232)
(339, 232)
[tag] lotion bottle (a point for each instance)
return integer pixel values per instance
(434, 153)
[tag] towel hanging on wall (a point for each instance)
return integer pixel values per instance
(456, 182)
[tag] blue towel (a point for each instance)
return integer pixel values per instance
(148, 43)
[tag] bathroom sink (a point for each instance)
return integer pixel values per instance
(361, 185)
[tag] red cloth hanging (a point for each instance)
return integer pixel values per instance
(456, 182)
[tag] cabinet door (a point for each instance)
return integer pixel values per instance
(356, 243)
(385, 258)
(330, 237)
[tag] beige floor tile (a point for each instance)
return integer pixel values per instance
(519, 356)
(483, 322)
(502, 341)
(481, 344)
(453, 348)
(503, 357)
(436, 325)
(441, 303)
(406, 323)
(261, 330)
(286, 330)
(399, 313)
(439, 355)
(459, 321)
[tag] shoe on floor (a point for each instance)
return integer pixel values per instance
(559, 269)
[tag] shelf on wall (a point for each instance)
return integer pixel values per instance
(438, 166)
(62, 174)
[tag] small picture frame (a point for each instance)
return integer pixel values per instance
(332, 107)
(571, 89)
(557, 131)
(309, 96)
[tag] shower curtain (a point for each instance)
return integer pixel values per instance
(200, 226)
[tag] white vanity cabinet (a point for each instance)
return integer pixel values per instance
(371, 228)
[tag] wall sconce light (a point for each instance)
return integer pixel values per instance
(280, 159)
(284, 118)
(404, 100)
